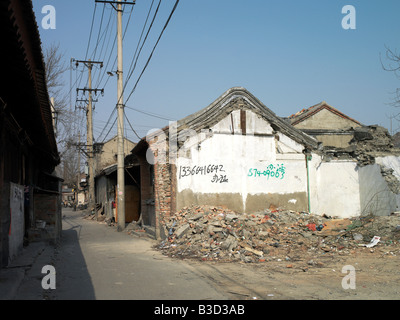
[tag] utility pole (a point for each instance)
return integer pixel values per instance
(120, 119)
(120, 122)
(79, 173)
(89, 113)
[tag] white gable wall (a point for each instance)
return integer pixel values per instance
(262, 168)
(243, 170)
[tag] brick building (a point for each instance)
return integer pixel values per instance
(236, 152)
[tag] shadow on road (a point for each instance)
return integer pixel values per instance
(73, 278)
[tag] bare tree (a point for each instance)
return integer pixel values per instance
(393, 65)
(55, 67)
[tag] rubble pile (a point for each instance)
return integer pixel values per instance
(371, 141)
(368, 142)
(373, 138)
(217, 233)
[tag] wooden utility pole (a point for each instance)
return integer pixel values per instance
(89, 136)
(120, 119)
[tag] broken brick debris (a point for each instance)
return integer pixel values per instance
(217, 233)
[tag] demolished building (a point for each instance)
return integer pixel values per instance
(239, 154)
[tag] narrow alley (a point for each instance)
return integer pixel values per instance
(94, 261)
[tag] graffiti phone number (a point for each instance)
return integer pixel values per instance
(216, 170)
(271, 171)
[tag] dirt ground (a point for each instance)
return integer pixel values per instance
(281, 254)
(377, 276)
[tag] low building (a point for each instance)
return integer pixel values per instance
(107, 152)
(327, 124)
(68, 196)
(237, 153)
(106, 181)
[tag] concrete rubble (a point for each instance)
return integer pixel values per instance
(219, 234)
(368, 143)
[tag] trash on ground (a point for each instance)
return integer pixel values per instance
(217, 233)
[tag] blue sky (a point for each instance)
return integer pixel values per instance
(289, 54)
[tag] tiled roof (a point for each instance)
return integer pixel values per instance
(306, 113)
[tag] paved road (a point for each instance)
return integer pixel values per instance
(94, 261)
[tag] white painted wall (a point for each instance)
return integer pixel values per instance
(241, 157)
(334, 188)
(390, 162)
(375, 196)
(343, 189)
(392, 199)
(338, 188)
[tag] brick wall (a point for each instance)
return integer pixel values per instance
(146, 191)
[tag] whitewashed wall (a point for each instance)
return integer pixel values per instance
(334, 188)
(392, 162)
(264, 164)
(226, 163)
(343, 189)
(375, 196)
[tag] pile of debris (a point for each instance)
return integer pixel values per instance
(372, 141)
(368, 142)
(217, 233)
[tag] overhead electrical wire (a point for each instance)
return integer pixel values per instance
(98, 35)
(132, 127)
(148, 60)
(133, 66)
(91, 29)
(134, 57)
(151, 54)
(115, 60)
(150, 114)
(111, 53)
(105, 38)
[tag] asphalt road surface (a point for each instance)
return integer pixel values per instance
(95, 262)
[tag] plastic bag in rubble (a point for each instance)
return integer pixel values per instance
(373, 243)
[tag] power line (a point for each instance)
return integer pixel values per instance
(112, 50)
(105, 137)
(130, 71)
(103, 38)
(91, 29)
(151, 54)
(98, 35)
(149, 114)
(108, 121)
(132, 127)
